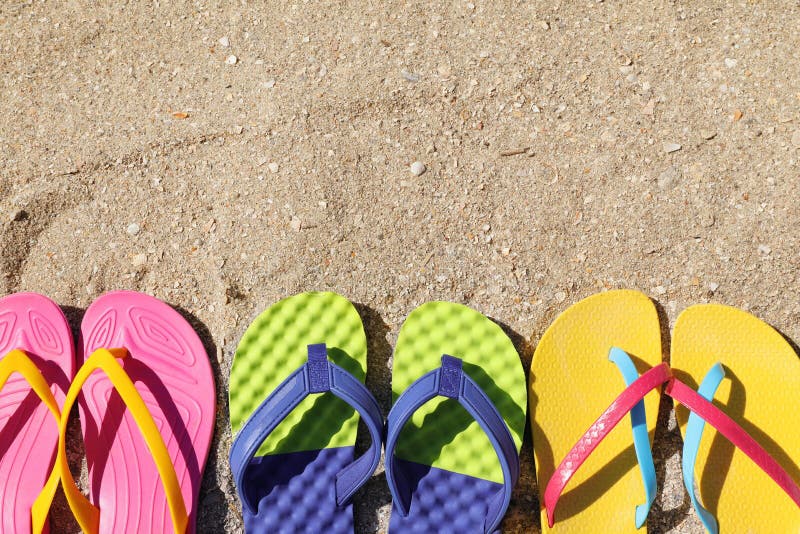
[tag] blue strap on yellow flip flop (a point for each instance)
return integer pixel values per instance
(641, 439)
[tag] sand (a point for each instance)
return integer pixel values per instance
(221, 156)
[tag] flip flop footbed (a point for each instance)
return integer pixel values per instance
(293, 474)
(572, 382)
(172, 372)
(28, 434)
(760, 392)
(442, 449)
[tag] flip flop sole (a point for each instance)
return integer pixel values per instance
(28, 433)
(294, 472)
(442, 448)
(760, 392)
(172, 372)
(572, 382)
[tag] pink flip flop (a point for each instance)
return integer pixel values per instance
(171, 371)
(35, 325)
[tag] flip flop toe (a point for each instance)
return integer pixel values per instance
(597, 364)
(742, 435)
(147, 405)
(455, 429)
(37, 361)
(296, 395)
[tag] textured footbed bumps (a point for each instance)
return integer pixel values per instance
(572, 382)
(171, 370)
(760, 392)
(441, 447)
(293, 474)
(28, 433)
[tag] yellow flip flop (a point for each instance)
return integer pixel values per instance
(761, 394)
(572, 382)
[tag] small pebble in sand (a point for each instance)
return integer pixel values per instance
(660, 290)
(671, 147)
(231, 60)
(410, 76)
(139, 260)
(269, 84)
(19, 215)
(707, 219)
(708, 135)
(560, 296)
(713, 286)
(764, 250)
(417, 168)
(133, 229)
(295, 224)
(730, 62)
(668, 178)
(273, 167)
(224, 41)
(796, 138)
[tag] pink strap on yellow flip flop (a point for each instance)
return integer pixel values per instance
(735, 434)
(618, 409)
(17, 361)
(625, 402)
(88, 515)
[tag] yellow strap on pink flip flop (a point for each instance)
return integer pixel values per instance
(17, 361)
(88, 515)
